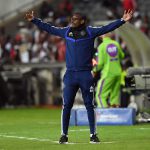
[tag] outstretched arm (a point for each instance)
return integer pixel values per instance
(45, 26)
(97, 31)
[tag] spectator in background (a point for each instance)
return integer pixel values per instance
(137, 20)
(113, 7)
(7, 50)
(61, 50)
(109, 62)
(46, 9)
(129, 4)
(66, 7)
(146, 25)
(23, 43)
(4, 96)
(126, 63)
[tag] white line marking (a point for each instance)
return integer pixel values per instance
(41, 123)
(44, 123)
(144, 128)
(32, 139)
(111, 142)
(45, 140)
(26, 138)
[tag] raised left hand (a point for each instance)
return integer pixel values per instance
(127, 15)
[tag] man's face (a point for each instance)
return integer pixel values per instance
(76, 21)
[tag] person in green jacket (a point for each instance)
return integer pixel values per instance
(109, 62)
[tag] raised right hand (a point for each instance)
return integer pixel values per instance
(29, 16)
(128, 14)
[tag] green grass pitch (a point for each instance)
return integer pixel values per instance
(39, 129)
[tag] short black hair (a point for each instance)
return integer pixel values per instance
(83, 16)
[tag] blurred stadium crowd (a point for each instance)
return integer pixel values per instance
(31, 45)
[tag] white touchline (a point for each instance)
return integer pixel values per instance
(44, 123)
(44, 140)
(32, 139)
(144, 128)
(26, 138)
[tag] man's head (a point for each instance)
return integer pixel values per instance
(77, 20)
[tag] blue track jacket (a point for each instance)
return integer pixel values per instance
(79, 51)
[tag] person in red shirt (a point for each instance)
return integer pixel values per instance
(129, 4)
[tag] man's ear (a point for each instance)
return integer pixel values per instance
(82, 21)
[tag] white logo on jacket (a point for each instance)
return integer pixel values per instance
(91, 89)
